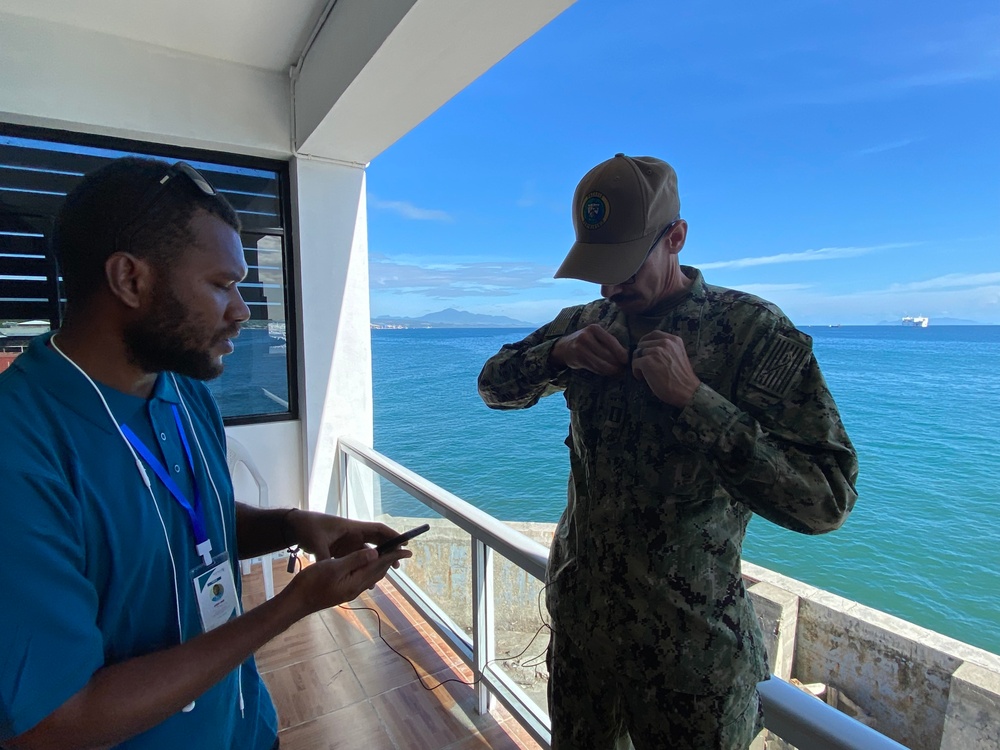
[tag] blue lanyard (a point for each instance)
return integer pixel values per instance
(196, 514)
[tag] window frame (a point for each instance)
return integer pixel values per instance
(168, 151)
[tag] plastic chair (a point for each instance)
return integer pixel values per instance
(236, 454)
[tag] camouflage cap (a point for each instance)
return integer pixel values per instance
(619, 208)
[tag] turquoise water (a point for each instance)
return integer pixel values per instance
(921, 406)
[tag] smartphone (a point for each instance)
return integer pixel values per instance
(401, 539)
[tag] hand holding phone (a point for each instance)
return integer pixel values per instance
(391, 544)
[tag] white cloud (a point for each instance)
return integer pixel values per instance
(960, 53)
(825, 253)
(987, 72)
(408, 211)
(887, 146)
(764, 290)
(450, 280)
(931, 298)
(948, 281)
(529, 195)
(412, 285)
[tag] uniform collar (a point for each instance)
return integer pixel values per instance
(694, 295)
(164, 389)
(687, 305)
(696, 292)
(65, 384)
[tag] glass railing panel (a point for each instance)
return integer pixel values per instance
(441, 566)
(521, 626)
(391, 501)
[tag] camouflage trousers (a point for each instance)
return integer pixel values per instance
(601, 706)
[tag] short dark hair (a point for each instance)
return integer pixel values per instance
(107, 200)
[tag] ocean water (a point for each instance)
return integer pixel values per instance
(922, 406)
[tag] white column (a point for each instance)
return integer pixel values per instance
(335, 371)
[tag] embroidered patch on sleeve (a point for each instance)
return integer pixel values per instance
(779, 366)
(561, 324)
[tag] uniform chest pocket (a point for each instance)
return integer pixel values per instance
(679, 474)
(587, 393)
(656, 422)
(669, 471)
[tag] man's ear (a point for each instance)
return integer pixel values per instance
(129, 278)
(677, 237)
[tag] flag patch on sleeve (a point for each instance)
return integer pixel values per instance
(560, 326)
(780, 366)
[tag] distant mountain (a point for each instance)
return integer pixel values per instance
(450, 318)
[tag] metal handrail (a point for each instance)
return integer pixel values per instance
(807, 723)
(488, 535)
(516, 547)
(790, 713)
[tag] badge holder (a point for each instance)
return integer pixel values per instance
(215, 591)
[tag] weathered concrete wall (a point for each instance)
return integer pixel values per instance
(778, 613)
(923, 689)
(973, 717)
(895, 677)
(906, 677)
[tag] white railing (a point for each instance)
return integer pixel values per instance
(488, 535)
(790, 713)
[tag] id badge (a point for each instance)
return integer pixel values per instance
(215, 590)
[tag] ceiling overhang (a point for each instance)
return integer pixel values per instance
(360, 73)
(370, 76)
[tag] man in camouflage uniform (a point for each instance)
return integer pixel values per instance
(691, 407)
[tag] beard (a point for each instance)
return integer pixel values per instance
(631, 304)
(167, 339)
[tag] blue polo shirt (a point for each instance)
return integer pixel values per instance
(85, 562)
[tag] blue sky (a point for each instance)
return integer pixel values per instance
(841, 159)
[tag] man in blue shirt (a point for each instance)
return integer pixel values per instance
(119, 535)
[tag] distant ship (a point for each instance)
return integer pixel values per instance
(917, 322)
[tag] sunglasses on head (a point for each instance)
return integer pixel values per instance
(179, 169)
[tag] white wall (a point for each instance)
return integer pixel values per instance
(276, 448)
(58, 76)
(335, 370)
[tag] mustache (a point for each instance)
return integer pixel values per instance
(229, 333)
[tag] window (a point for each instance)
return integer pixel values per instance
(39, 167)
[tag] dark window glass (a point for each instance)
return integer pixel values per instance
(38, 169)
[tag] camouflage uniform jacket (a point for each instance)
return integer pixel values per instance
(646, 556)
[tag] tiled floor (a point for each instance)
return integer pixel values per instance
(337, 685)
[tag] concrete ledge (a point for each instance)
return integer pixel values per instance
(897, 679)
(903, 675)
(778, 613)
(972, 719)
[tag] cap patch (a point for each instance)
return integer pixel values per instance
(595, 210)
